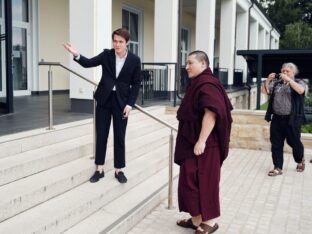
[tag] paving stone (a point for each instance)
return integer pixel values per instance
(251, 201)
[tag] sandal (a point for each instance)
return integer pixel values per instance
(275, 172)
(300, 166)
(206, 229)
(186, 223)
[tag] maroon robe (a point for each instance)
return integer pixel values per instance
(198, 191)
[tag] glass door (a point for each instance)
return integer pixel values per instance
(19, 60)
(20, 46)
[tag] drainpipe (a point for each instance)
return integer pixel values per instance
(179, 59)
(249, 10)
(248, 47)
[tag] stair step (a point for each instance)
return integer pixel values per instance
(62, 212)
(30, 162)
(29, 140)
(19, 166)
(44, 175)
(125, 211)
(33, 190)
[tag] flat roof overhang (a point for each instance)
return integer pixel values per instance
(262, 62)
(272, 61)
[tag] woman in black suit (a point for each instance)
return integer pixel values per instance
(115, 96)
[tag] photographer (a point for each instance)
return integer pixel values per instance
(286, 113)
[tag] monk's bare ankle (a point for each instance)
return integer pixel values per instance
(196, 220)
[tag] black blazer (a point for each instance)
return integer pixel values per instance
(127, 83)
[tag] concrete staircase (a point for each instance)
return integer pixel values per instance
(44, 177)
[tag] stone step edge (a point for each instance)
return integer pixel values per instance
(23, 148)
(133, 215)
(71, 215)
(60, 127)
(145, 207)
(70, 176)
(87, 148)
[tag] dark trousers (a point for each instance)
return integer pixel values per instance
(104, 114)
(279, 131)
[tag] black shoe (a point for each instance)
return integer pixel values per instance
(121, 177)
(96, 176)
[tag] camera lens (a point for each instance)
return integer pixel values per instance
(277, 76)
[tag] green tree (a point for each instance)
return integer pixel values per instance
(283, 12)
(293, 18)
(297, 35)
(306, 8)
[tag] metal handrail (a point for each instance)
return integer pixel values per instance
(172, 128)
(68, 69)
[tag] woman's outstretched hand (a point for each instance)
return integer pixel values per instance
(71, 49)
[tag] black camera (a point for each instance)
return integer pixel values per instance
(276, 77)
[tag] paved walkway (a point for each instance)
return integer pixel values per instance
(251, 201)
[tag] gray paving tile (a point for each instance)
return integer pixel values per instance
(251, 201)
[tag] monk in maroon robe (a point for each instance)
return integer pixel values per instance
(202, 144)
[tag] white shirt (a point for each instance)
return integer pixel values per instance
(119, 64)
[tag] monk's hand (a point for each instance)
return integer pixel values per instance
(199, 147)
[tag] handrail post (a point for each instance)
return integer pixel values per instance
(170, 183)
(50, 99)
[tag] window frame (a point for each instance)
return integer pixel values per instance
(139, 13)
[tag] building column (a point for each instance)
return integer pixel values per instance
(166, 37)
(242, 42)
(166, 31)
(205, 27)
(90, 36)
(227, 37)
(267, 40)
(261, 40)
(253, 35)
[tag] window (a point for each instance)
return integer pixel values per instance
(185, 42)
(20, 10)
(1, 3)
(131, 21)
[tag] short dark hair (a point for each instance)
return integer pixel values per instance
(200, 56)
(122, 32)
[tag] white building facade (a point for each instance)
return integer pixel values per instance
(218, 27)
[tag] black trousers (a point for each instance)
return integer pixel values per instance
(104, 114)
(279, 131)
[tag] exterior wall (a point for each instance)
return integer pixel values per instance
(53, 32)
(251, 131)
(239, 99)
